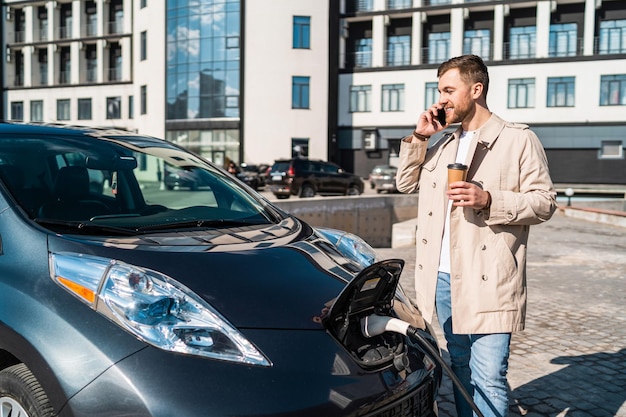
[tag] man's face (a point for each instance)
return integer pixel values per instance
(456, 97)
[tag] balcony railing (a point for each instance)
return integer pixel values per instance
(65, 32)
(19, 36)
(115, 27)
(355, 6)
(115, 74)
(90, 29)
(91, 75)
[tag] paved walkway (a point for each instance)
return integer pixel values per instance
(571, 359)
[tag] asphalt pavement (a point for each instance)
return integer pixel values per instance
(571, 359)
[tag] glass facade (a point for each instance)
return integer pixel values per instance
(203, 73)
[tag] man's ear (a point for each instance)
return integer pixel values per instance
(477, 90)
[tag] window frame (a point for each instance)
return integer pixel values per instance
(81, 105)
(552, 99)
(606, 81)
(360, 98)
(301, 36)
(64, 105)
(392, 98)
(300, 92)
(515, 85)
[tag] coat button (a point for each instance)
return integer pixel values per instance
(430, 213)
(424, 241)
(483, 247)
(434, 184)
(420, 266)
(484, 277)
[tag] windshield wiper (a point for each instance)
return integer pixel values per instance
(87, 226)
(203, 223)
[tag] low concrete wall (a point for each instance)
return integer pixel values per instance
(370, 217)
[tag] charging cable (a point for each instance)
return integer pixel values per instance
(375, 325)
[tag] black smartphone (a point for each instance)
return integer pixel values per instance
(441, 116)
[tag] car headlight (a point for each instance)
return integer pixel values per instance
(153, 307)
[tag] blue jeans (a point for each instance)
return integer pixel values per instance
(480, 361)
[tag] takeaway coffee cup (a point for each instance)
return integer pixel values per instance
(456, 172)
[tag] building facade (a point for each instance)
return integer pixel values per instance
(558, 66)
(344, 80)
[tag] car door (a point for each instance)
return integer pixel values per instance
(335, 181)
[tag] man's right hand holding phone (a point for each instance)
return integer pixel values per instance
(430, 122)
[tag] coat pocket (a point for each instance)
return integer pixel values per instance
(500, 279)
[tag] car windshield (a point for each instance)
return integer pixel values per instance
(123, 185)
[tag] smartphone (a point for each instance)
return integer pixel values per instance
(441, 116)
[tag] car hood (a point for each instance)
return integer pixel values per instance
(288, 286)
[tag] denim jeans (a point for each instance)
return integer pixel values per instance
(480, 361)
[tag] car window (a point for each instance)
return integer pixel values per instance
(67, 180)
(331, 169)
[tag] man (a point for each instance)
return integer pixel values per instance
(471, 236)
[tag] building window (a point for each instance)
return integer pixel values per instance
(143, 45)
(477, 42)
(438, 47)
(431, 94)
(36, 111)
(115, 61)
(63, 109)
(84, 109)
(613, 90)
(393, 97)
(300, 87)
(114, 105)
(299, 147)
(142, 4)
(214, 50)
(360, 96)
(301, 32)
(17, 110)
(65, 66)
(91, 18)
(560, 92)
(611, 149)
(399, 4)
(91, 64)
(562, 40)
(363, 53)
(523, 41)
(612, 37)
(399, 50)
(143, 106)
(521, 93)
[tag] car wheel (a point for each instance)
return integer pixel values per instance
(21, 394)
(307, 191)
(281, 196)
(353, 190)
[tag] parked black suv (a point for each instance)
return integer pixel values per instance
(307, 177)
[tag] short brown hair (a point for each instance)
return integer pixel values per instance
(471, 68)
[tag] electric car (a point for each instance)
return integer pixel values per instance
(130, 299)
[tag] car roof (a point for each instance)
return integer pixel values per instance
(59, 128)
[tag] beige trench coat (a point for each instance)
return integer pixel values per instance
(488, 247)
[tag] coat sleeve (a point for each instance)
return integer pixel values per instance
(535, 201)
(410, 162)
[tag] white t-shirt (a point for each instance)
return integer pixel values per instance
(461, 156)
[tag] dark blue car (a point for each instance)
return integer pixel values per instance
(119, 297)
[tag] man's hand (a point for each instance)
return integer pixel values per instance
(467, 194)
(427, 124)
